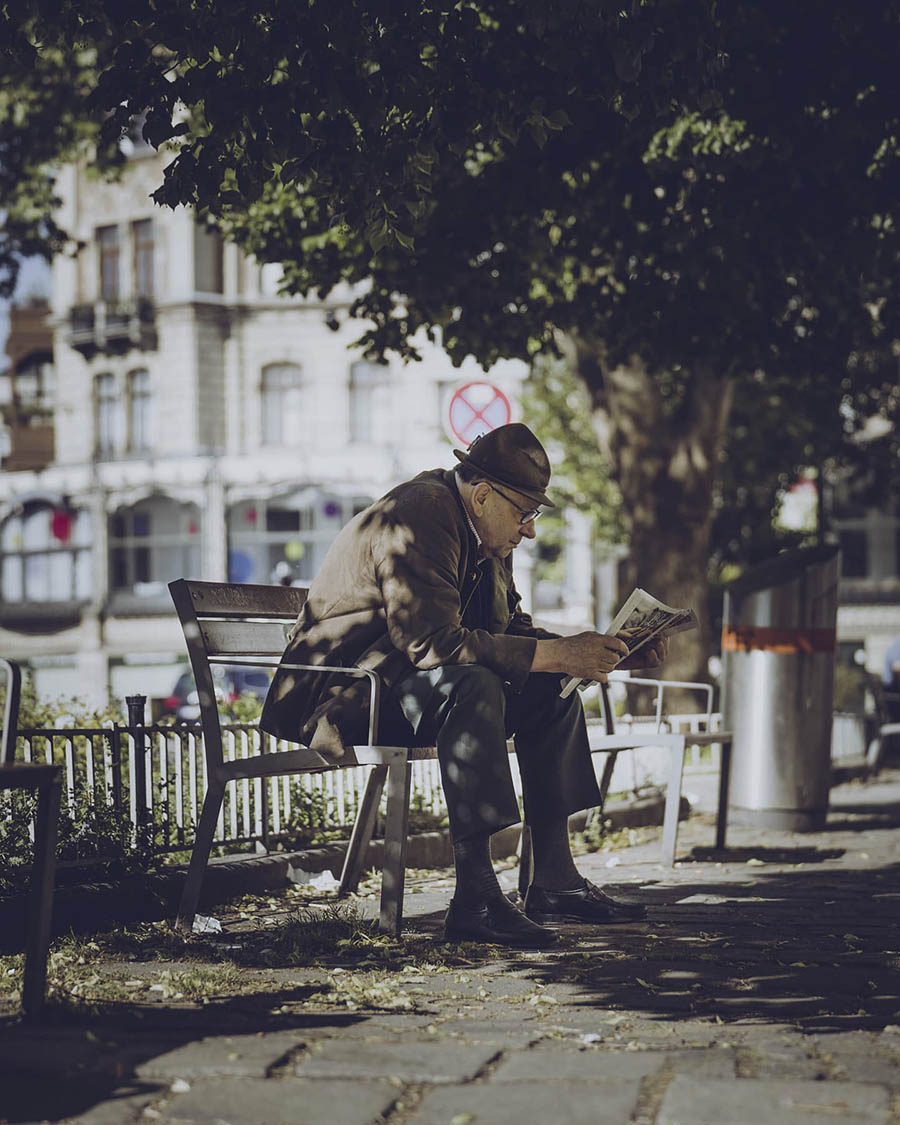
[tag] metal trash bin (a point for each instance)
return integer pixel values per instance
(778, 653)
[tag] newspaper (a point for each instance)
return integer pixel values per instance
(640, 619)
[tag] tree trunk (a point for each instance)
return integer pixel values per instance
(665, 452)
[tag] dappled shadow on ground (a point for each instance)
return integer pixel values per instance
(784, 935)
(761, 855)
(860, 817)
(812, 949)
(99, 1048)
(801, 934)
(95, 1049)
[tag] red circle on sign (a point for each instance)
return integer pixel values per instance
(475, 409)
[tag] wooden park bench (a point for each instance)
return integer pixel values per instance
(243, 624)
(46, 780)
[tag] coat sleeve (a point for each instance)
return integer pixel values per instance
(417, 561)
(520, 623)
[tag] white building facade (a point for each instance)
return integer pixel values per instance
(203, 427)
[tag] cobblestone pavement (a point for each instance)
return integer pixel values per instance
(763, 987)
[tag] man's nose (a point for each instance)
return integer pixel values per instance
(527, 529)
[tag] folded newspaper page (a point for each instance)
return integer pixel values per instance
(640, 619)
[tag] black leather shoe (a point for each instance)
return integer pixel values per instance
(586, 904)
(498, 922)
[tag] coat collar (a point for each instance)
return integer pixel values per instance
(466, 512)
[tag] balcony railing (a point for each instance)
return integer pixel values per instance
(113, 327)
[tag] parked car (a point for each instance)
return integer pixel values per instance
(230, 684)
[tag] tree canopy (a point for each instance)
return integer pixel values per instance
(696, 183)
(697, 199)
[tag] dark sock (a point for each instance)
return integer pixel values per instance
(475, 879)
(554, 868)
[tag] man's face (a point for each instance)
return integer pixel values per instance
(498, 518)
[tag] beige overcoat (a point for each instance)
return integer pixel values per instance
(392, 595)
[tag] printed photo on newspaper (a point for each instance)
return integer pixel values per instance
(641, 618)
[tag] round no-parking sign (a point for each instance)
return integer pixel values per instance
(475, 409)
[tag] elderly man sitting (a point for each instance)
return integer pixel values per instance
(419, 588)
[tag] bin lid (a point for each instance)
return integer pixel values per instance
(783, 568)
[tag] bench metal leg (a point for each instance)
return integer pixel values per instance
(673, 803)
(40, 899)
(395, 839)
(206, 830)
(606, 777)
(724, 778)
(363, 828)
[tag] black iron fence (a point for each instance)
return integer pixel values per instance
(155, 775)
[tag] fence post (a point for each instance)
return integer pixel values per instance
(265, 781)
(115, 740)
(135, 705)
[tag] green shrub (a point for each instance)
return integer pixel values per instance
(311, 821)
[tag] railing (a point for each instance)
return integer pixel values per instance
(155, 776)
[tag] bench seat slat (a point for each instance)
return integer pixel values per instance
(243, 638)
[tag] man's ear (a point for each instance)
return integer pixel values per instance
(480, 492)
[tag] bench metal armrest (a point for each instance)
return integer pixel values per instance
(274, 662)
(661, 685)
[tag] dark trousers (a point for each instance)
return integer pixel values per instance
(469, 713)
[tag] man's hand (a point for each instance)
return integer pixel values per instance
(651, 655)
(590, 656)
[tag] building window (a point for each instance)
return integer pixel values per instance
(369, 388)
(108, 245)
(208, 261)
(284, 539)
(34, 385)
(151, 543)
(282, 404)
(109, 416)
(142, 238)
(140, 412)
(46, 554)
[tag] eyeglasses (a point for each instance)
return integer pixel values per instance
(526, 515)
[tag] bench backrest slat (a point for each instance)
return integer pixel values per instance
(223, 599)
(243, 638)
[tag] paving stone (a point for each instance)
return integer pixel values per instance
(97, 1097)
(783, 1061)
(387, 1025)
(703, 1062)
(279, 1101)
(245, 1055)
(519, 1032)
(854, 1043)
(556, 1064)
(71, 1051)
(508, 987)
(576, 1103)
(751, 1101)
(122, 1105)
(410, 1062)
(876, 1068)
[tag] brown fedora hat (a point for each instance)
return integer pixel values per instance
(513, 456)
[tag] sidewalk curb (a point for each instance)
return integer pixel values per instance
(154, 897)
